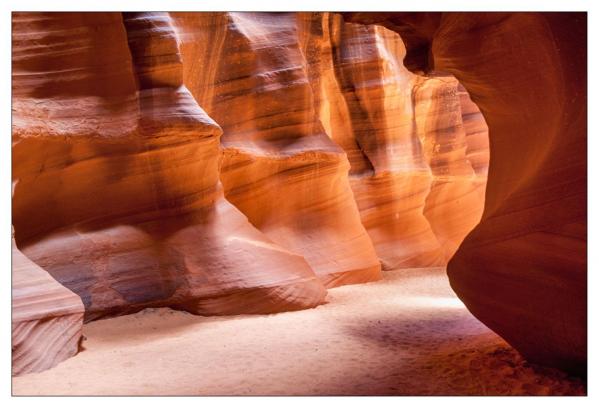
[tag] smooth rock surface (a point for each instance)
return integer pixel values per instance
(280, 168)
(336, 155)
(127, 166)
(47, 318)
(283, 86)
(406, 139)
(523, 269)
(111, 134)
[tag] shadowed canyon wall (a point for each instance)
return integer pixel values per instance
(522, 270)
(228, 163)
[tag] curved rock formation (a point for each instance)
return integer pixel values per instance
(405, 136)
(339, 157)
(47, 318)
(282, 86)
(522, 270)
(279, 167)
(126, 165)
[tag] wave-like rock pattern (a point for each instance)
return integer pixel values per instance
(126, 165)
(47, 318)
(279, 166)
(523, 269)
(409, 139)
(285, 85)
(334, 156)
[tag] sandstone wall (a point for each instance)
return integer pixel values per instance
(118, 193)
(279, 167)
(406, 138)
(225, 163)
(47, 318)
(302, 97)
(522, 270)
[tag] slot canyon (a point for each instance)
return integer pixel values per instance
(300, 203)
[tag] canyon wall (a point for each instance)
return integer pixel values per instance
(522, 270)
(118, 195)
(303, 98)
(279, 166)
(406, 139)
(227, 163)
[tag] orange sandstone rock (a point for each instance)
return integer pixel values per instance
(127, 166)
(522, 270)
(333, 158)
(280, 168)
(405, 136)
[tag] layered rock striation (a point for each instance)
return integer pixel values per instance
(225, 163)
(47, 318)
(118, 193)
(302, 97)
(523, 269)
(406, 139)
(279, 167)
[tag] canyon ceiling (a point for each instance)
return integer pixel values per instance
(231, 163)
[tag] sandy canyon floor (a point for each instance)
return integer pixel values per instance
(406, 335)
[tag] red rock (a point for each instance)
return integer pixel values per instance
(279, 166)
(404, 134)
(333, 152)
(522, 270)
(127, 166)
(47, 318)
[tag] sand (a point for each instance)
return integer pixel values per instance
(406, 335)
